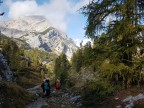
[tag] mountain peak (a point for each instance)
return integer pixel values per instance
(37, 32)
(26, 23)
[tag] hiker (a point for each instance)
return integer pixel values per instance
(42, 86)
(47, 87)
(57, 86)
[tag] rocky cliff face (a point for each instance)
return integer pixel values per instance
(38, 33)
(5, 71)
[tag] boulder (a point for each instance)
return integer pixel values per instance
(5, 69)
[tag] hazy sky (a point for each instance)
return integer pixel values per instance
(63, 14)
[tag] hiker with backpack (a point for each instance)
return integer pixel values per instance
(42, 86)
(47, 87)
(57, 86)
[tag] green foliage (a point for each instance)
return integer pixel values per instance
(122, 31)
(95, 92)
(61, 67)
(130, 11)
(39, 56)
(119, 74)
(13, 96)
(114, 56)
(77, 60)
(20, 66)
(12, 53)
(115, 50)
(87, 54)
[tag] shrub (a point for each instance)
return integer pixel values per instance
(95, 92)
(13, 96)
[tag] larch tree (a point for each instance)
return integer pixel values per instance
(61, 67)
(124, 28)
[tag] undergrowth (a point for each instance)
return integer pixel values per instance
(13, 96)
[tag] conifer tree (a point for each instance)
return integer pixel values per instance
(124, 29)
(77, 60)
(64, 67)
(57, 67)
(87, 54)
(61, 67)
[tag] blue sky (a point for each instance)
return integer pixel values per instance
(62, 14)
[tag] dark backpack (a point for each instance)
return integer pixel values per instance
(42, 85)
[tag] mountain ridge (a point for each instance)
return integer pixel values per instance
(38, 33)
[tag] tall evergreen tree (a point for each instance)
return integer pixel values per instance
(57, 67)
(87, 54)
(77, 60)
(61, 67)
(64, 67)
(124, 29)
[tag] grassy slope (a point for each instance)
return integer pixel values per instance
(29, 78)
(13, 96)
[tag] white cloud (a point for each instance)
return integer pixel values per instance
(81, 4)
(21, 8)
(8, 2)
(84, 41)
(77, 42)
(55, 11)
